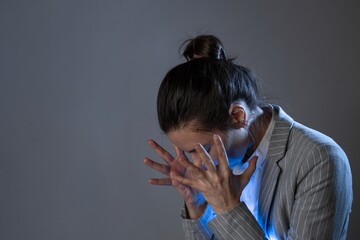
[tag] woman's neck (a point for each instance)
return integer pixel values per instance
(259, 126)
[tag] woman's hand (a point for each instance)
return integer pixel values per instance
(194, 201)
(220, 187)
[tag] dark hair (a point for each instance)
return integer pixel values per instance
(202, 90)
(203, 46)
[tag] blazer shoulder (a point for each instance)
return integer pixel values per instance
(303, 134)
(315, 144)
(295, 142)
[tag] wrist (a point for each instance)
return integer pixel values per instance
(228, 207)
(195, 211)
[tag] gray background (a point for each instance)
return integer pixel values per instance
(78, 85)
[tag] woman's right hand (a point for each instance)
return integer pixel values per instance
(194, 200)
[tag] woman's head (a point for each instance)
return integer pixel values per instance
(201, 92)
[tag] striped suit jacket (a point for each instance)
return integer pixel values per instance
(305, 191)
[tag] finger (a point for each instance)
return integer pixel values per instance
(222, 157)
(165, 155)
(205, 157)
(164, 169)
(197, 161)
(190, 168)
(245, 177)
(185, 181)
(160, 181)
(178, 151)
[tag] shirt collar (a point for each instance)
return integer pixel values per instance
(263, 146)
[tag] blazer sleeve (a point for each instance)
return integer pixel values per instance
(196, 229)
(324, 196)
(238, 223)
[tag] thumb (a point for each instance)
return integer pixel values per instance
(245, 177)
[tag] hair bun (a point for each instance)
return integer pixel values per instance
(202, 46)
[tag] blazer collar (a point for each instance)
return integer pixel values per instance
(280, 135)
(276, 152)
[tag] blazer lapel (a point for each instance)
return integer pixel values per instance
(271, 172)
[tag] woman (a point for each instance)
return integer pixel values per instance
(255, 172)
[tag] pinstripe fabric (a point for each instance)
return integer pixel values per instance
(194, 229)
(305, 193)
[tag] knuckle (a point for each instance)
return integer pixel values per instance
(226, 173)
(198, 174)
(217, 179)
(166, 169)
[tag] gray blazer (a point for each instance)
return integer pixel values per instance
(305, 193)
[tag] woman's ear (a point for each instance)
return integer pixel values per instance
(237, 115)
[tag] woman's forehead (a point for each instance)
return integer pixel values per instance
(185, 138)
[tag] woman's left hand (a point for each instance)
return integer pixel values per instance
(220, 187)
